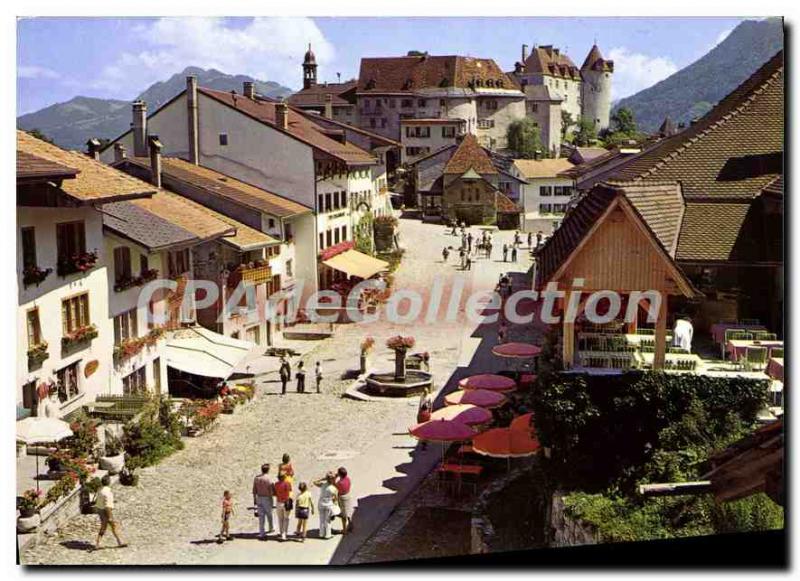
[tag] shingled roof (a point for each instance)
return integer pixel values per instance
(542, 168)
(407, 74)
(548, 60)
(93, 182)
(300, 127)
(33, 168)
(314, 96)
(470, 155)
(735, 150)
(595, 61)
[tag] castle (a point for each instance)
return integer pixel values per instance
(408, 98)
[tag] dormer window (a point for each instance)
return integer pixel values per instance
(371, 84)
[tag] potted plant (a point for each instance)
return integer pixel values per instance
(366, 346)
(89, 489)
(28, 504)
(37, 354)
(400, 345)
(35, 275)
(128, 477)
(114, 458)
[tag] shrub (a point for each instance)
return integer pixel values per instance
(61, 488)
(400, 343)
(93, 485)
(113, 445)
(31, 499)
(84, 439)
(154, 436)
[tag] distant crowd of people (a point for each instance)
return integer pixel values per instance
(473, 246)
(285, 374)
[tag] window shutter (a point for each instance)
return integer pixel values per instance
(65, 326)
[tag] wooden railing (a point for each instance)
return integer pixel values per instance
(255, 275)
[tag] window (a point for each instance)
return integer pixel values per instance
(122, 263)
(136, 382)
(407, 103)
(34, 328)
(491, 104)
(271, 223)
(29, 397)
(336, 236)
(223, 139)
(545, 208)
(328, 238)
(75, 313)
(344, 232)
(28, 247)
(383, 121)
(559, 208)
(178, 262)
(67, 382)
(534, 107)
(448, 132)
(328, 202)
(289, 272)
(287, 228)
(485, 123)
(321, 240)
(70, 239)
(412, 151)
(125, 326)
(392, 103)
(372, 122)
(344, 199)
(442, 103)
(420, 102)
(144, 264)
(545, 190)
(157, 374)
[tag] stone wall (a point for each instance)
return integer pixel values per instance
(566, 531)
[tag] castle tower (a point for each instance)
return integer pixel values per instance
(309, 69)
(596, 88)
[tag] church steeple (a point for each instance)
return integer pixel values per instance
(309, 68)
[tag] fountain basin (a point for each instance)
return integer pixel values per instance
(385, 385)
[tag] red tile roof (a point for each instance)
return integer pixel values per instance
(300, 126)
(595, 61)
(410, 73)
(314, 96)
(33, 167)
(470, 154)
(548, 60)
(505, 205)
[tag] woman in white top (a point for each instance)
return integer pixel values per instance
(326, 503)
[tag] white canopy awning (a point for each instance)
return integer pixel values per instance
(355, 263)
(199, 351)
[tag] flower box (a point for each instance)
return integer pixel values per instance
(132, 281)
(35, 275)
(78, 336)
(37, 354)
(81, 262)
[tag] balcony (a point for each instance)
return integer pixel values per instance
(255, 274)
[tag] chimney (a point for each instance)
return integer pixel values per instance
(329, 106)
(93, 148)
(191, 107)
(155, 161)
(119, 152)
(139, 129)
(249, 90)
(282, 115)
(524, 53)
(338, 77)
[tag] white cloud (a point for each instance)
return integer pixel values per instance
(270, 49)
(635, 71)
(723, 35)
(36, 72)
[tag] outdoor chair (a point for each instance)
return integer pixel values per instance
(777, 352)
(755, 358)
(764, 336)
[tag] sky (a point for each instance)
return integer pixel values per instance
(59, 58)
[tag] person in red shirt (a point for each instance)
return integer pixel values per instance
(284, 504)
(345, 500)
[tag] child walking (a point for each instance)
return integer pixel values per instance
(227, 512)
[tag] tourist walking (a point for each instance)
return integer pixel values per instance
(461, 256)
(301, 378)
(502, 332)
(455, 228)
(286, 468)
(538, 239)
(530, 239)
(304, 508)
(318, 375)
(227, 513)
(445, 254)
(104, 503)
(326, 504)
(263, 492)
(513, 254)
(469, 242)
(468, 265)
(489, 248)
(505, 252)
(517, 238)
(283, 504)
(345, 501)
(285, 373)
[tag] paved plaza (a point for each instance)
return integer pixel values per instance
(172, 516)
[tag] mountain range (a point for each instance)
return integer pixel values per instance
(72, 123)
(694, 90)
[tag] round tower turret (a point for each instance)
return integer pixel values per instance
(596, 74)
(309, 68)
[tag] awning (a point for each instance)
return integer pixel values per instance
(355, 263)
(199, 351)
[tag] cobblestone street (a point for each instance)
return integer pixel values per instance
(172, 516)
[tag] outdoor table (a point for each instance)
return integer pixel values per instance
(775, 368)
(737, 348)
(718, 330)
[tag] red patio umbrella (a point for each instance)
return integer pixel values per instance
(480, 397)
(442, 431)
(522, 423)
(488, 381)
(465, 413)
(516, 350)
(505, 443)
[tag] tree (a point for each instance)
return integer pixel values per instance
(37, 133)
(586, 133)
(567, 121)
(524, 138)
(624, 122)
